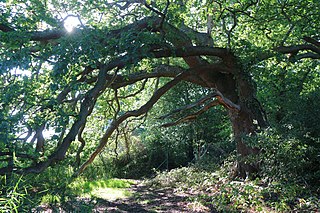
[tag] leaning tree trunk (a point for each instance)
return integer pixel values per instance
(239, 88)
(246, 122)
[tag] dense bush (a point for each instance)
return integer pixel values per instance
(285, 158)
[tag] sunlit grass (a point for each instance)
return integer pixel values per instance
(111, 194)
(108, 189)
(109, 183)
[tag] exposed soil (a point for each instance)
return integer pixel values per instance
(148, 199)
(144, 199)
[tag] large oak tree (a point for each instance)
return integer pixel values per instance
(54, 79)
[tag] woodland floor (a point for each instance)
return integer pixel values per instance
(143, 198)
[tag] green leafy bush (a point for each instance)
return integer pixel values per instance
(217, 191)
(185, 178)
(284, 158)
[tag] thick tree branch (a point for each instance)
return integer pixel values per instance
(47, 35)
(85, 110)
(292, 50)
(297, 48)
(227, 103)
(80, 149)
(40, 138)
(161, 71)
(188, 51)
(305, 55)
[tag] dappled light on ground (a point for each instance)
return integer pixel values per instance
(186, 189)
(138, 196)
(141, 197)
(111, 194)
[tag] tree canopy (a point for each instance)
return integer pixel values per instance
(124, 55)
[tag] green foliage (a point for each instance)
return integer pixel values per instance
(290, 148)
(244, 196)
(13, 193)
(57, 187)
(34, 73)
(286, 159)
(185, 178)
(80, 186)
(217, 191)
(151, 147)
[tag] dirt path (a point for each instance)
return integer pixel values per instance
(148, 199)
(144, 199)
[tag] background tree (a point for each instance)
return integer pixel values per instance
(102, 68)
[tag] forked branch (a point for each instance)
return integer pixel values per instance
(193, 116)
(190, 106)
(220, 100)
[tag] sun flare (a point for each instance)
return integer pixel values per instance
(71, 22)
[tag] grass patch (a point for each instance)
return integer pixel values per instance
(111, 194)
(50, 198)
(79, 195)
(108, 189)
(109, 183)
(89, 186)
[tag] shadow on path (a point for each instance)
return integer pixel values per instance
(148, 199)
(143, 199)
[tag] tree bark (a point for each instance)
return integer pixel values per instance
(242, 126)
(239, 88)
(246, 122)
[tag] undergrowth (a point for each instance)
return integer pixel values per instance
(56, 189)
(211, 189)
(225, 195)
(13, 193)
